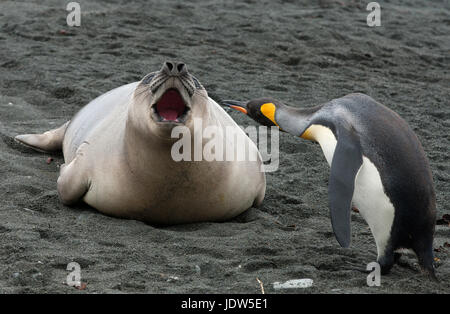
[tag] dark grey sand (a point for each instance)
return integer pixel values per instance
(302, 52)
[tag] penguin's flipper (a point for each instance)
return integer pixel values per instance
(346, 162)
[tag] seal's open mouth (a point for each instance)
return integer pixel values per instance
(171, 107)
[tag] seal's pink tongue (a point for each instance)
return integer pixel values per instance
(171, 105)
(169, 114)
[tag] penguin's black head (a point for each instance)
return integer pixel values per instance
(262, 110)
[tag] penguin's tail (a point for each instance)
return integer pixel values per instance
(432, 275)
(424, 252)
(430, 271)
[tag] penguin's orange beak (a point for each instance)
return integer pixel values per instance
(236, 105)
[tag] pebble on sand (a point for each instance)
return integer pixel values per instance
(293, 284)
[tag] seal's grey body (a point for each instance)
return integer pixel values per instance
(117, 153)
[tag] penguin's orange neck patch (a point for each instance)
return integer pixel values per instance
(308, 134)
(268, 110)
(318, 133)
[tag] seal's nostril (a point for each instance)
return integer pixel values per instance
(174, 68)
(169, 65)
(180, 67)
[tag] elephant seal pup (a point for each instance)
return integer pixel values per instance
(117, 152)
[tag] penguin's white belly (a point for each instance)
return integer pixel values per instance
(368, 196)
(373, 204)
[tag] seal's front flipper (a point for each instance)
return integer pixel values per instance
(73, 181)
(47, 142)
(347, 161)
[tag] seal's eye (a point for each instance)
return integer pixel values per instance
(148, 78)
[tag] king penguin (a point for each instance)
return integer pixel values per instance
(377, 164)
